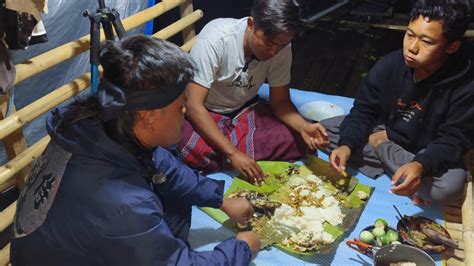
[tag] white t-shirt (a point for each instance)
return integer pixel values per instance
(220, 60)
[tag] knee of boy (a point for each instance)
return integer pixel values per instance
(446, 194)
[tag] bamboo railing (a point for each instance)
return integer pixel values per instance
(27, 114)
(13, 124)
(467, 213)
(69, 50)
(41, 106)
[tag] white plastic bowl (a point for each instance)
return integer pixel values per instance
(320, 110)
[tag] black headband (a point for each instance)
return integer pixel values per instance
(113, 100)
(152, 99)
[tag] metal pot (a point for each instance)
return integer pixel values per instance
(394, 253)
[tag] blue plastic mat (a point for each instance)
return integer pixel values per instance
(206, 232)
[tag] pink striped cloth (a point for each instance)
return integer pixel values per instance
(254, 131)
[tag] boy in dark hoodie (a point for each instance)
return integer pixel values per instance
(413, 117)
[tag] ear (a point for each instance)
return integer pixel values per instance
(453, 47)
(250, 24)
(147, 119)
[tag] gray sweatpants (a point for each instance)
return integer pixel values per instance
(389, 156)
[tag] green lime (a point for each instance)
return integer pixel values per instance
(392, 235)
(381, 223)
(382, 240)
(378, 231)
(366, 237)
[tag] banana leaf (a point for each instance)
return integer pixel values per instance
(345, 181)
(277, 175)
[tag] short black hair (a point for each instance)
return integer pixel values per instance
(277, 16)
(455, 15)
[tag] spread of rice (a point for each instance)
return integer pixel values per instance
(309, 206)
(305, 213)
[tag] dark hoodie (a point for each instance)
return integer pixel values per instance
(436, 114)
(91, 201)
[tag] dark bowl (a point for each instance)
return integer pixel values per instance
(398, 253)
(415, 224)
(370, 227)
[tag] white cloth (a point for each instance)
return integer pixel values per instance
(220, 60)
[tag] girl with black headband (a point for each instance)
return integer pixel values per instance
(105, 191)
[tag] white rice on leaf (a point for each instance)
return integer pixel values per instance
(305, 216)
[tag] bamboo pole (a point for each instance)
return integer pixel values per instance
(6, 216)
(467, 225)
(14, 143)
(69, 50)
(467, 210)
(23, 159)
(42, 105)
(5, 255)
(179, 25)
(187, 46)
(185, 9)
(9, 183)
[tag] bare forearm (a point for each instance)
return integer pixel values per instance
(287, 113)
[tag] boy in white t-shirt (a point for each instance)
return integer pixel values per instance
(229, 127)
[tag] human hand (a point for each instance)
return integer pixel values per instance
(238, 209)
(339, 157)
(252, 240)
(314, 135)
(377, 138)
(247, 167)
(411, 174)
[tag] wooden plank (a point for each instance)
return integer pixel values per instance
(185, 9)
(454, 219)
(454, 226)
(5, 255)
(179, 25)
(187, 46)
(468, 213)
(459, 226)
(14, 143)
(6, 216)
(7, 184)
(23, 160)
(457, 259)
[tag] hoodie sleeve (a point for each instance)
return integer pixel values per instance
(141, 237)
(176, 180)
(453, 138)
(356, 125)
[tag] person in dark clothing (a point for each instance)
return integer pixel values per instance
(413, 115)
(106, 191)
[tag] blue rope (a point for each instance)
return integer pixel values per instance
(149, 24)
(94, 78)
